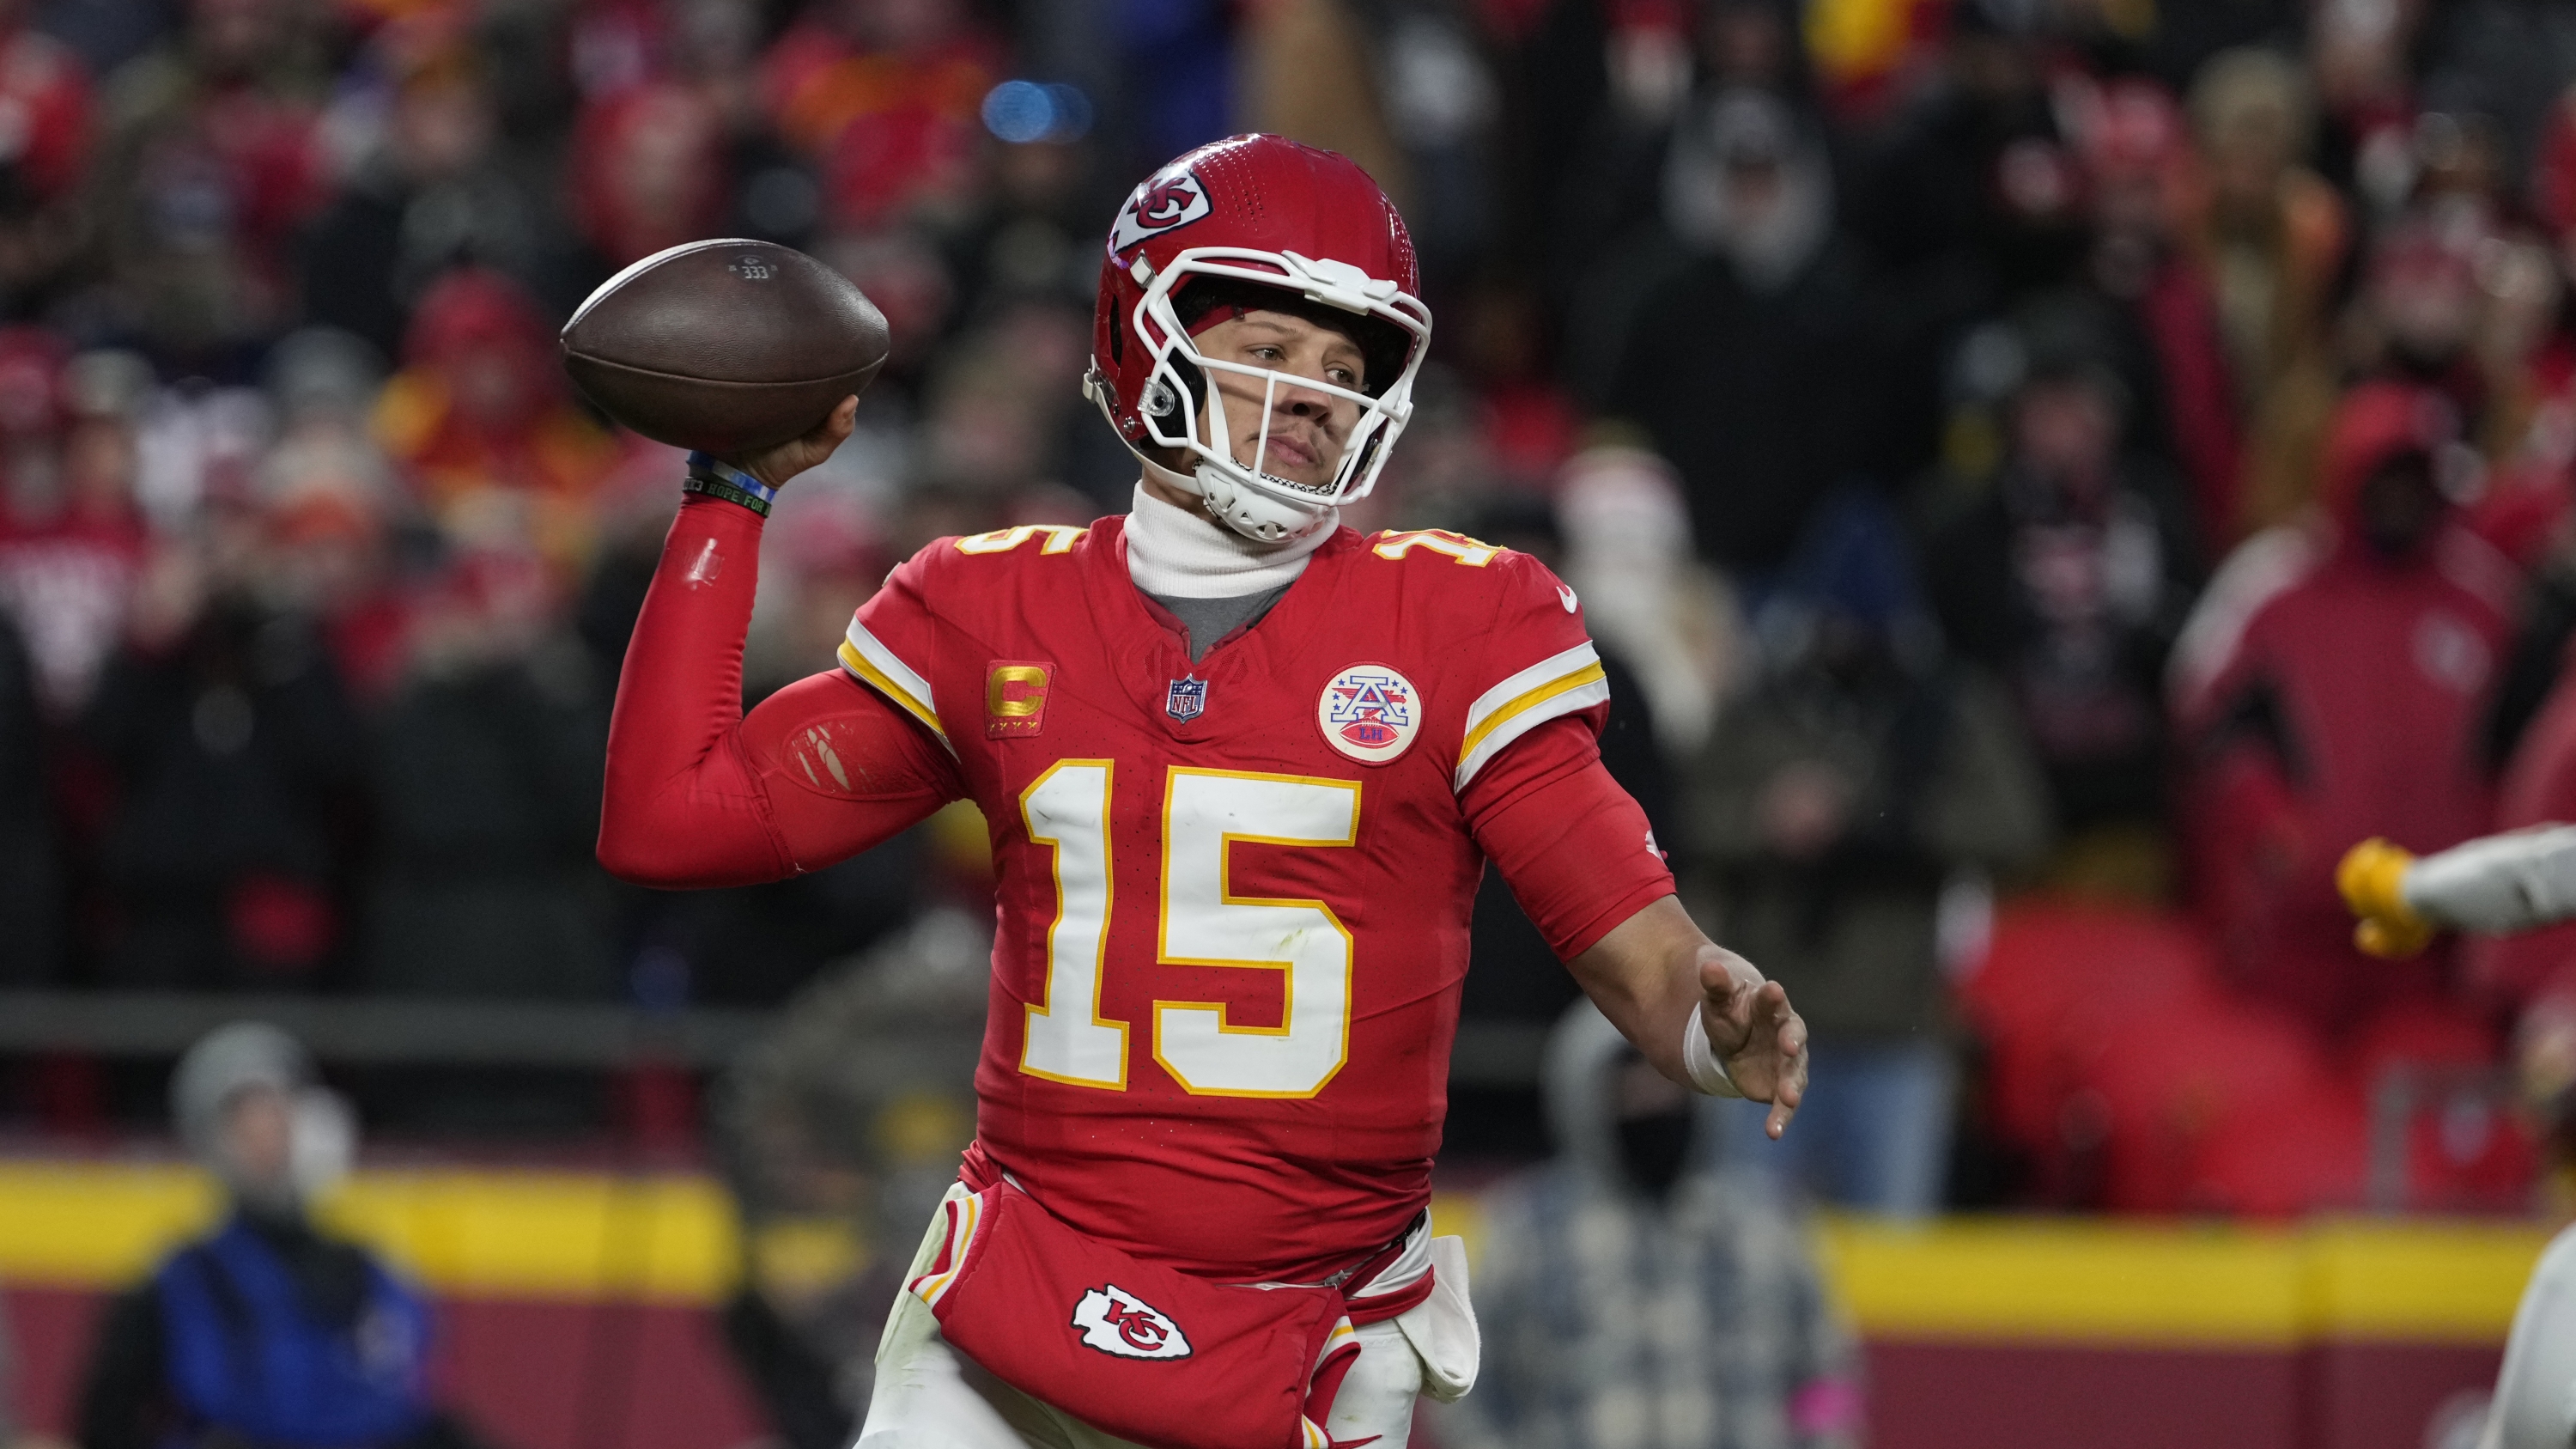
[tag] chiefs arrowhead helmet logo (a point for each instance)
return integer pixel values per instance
(1172, 199)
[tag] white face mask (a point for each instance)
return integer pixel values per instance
(1182, 410)
(322, 1144)
(321, 1147)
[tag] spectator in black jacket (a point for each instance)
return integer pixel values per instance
(30, 904)
(235, 760)
(1749, 368)
(2067, 573)
(1862, 784)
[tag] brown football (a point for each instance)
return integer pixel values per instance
(724, 346)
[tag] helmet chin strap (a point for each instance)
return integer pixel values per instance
(1261, 519)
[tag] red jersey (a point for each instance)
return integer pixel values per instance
(1233, 894)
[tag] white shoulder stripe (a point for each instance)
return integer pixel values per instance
(1560, 684)
(866, 656)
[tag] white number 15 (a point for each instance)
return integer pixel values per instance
(1202, 923)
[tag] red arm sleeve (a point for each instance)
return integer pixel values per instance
(1573, 846)
(699, 796)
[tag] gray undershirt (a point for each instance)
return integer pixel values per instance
(1210, 620)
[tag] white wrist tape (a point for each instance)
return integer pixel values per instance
(1706, 1072)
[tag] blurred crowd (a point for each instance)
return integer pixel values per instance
(2009, 449)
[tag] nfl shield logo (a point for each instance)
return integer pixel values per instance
(1187, 700)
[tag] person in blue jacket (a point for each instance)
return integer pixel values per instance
(265, 1333)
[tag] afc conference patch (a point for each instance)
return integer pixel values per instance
(1370, 713)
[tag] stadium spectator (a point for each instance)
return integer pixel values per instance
(485, 777)
(1856, 779)
(1627, 554)
(1971, 196)
(2067, 574)
(213, 159)
(2271, 237)
(2146, 186)
(647, 172)
(1631, 1296)
(267, 1330)
(31, 900)
(883, 96)
(480, 420)
(71, 543)
(1748, 367)
(431, 193)
(335, 507)
(2327, 689)
(233, 763)
(47, 88)
(2420, 308)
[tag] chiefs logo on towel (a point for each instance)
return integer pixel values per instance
(1116, 1321)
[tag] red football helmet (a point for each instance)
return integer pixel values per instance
(1268, 212)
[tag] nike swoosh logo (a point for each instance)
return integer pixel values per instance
(1567, 595)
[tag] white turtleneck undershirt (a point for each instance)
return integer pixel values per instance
(1181, 553)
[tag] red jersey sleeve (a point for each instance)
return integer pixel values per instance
(1534, 663)
(892, 643)
(699, 796)
(1574, 847)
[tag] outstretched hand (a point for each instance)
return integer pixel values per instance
(776, 464)
(1757, 1035)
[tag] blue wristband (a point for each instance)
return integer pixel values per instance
(720, 471)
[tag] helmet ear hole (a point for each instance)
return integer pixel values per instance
(1195, 380)
(1117, 342)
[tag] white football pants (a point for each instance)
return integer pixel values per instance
(929, 1396)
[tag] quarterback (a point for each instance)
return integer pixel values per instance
(1243, 768)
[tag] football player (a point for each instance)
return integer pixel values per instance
(1242, 768)
(2497, 885)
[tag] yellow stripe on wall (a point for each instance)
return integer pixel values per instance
(2109, 1283)
(92, 1225)
(477, 1233)
(2088, 1282)
(2449, 1282)
(1993, 1279)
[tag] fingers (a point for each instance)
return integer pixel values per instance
(1785, 1097)
(835, 430)
(1788, 1033)
(774, 466)
(1731, 1003)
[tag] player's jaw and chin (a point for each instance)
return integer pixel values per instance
(1272, 426)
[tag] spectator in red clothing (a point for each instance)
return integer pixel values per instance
(2420, 307)
(214, 160)
(46, 114)
(884, 94)
(481, 420)
(71, 544)
(647, 171)
(2328, 688)
(2146, 181)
